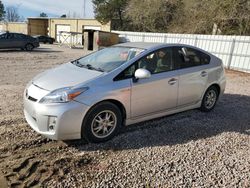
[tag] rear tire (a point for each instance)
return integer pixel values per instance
(209, 99)
(29, 47)
(102, 122)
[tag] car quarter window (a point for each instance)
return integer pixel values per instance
(188, 57)
(18, 36)
(156, 62)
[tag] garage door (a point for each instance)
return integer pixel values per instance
(61, 36)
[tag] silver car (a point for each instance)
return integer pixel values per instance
(94, 96)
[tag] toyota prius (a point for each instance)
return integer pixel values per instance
(94, 96)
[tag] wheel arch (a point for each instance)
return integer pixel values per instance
(217, 86)
(29, 43)
(113, 101)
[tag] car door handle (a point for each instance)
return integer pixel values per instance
(172, 81)
(203, 73)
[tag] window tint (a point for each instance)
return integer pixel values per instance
(188, 57)
(155, 62)
(18, 36)
(10, 36)
(3, 36)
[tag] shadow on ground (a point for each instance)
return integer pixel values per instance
(232, 114)
(36, 50)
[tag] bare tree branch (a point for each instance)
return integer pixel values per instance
(12, 14)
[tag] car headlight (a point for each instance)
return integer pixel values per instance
(63, 95)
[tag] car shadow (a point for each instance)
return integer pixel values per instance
(36, 50)
(46, 50)
(232, 114)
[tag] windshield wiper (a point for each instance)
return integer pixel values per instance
(88, 66)
(77, 63)
(93, 68)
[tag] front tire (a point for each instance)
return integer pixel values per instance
(29, 47)
(102, 122)
(209, 99)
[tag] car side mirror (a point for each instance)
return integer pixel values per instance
(141, 74)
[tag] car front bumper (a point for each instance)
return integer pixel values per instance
(58, 121)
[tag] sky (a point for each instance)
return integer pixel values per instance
(53, 8)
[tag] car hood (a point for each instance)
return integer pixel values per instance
(65, 75)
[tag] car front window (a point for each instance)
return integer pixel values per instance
(109, 59)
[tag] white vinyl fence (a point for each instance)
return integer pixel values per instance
(233, 50)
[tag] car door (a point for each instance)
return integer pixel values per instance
(193, 74)
(20, 40)
(159, 92)
(3, 40)
(11, 41)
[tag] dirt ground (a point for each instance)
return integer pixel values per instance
(189, 149)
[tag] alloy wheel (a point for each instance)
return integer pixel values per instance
(104, 124)
(210, 99)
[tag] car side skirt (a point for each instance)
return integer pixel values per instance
(162, 113)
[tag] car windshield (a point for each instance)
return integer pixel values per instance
(108, 59)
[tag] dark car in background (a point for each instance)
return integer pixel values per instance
(45, 39)
(17, 40)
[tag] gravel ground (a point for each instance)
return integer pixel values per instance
(189, 149)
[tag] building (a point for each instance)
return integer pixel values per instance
(58, 28)
(18, 27)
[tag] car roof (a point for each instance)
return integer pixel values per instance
(14, 33)
(151, 45)
(143, 45)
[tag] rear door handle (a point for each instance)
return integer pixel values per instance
(172, 81)
(203, 73)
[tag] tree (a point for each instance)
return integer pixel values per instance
(2, 12)
(153, 15)
(63, 16)
(43, 15)
(231, 16)
(107, 10)
(12, 14)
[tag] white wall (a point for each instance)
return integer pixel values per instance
(233, 50)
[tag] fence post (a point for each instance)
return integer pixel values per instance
(165, 38)
(195, 41)
(143, 38)
(231, 54)
(126, 37)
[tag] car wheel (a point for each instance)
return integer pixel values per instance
(102, 122)
(29, 47)
(209, 99)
